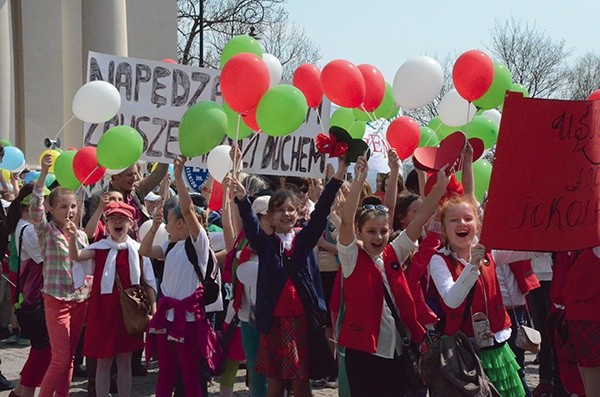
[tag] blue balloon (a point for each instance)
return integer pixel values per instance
(31, 176)
(13, 158)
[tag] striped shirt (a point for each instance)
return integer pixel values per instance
(54, 244)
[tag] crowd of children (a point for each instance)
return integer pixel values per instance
(294, 262)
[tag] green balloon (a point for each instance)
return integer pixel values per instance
(442, 130)
(281, 110)
(63, 169)
(202, 128)
(5, 143)
(239, 44)
(483, 128)
(482, 172)
(428, 137)
(119, 147)
(235, 123)
(388, 108)
(344, 117)
(520, 88)
(494, 96)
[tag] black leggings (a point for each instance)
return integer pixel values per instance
(370, 375)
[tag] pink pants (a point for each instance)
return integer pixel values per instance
(64, 320)
(173, 356)
(35, 367)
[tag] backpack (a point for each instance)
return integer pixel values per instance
(212, 281)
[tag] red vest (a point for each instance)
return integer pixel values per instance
(363, 300)
(582, 293)
(497, 315)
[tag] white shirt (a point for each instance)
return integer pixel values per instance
(31, 248)
(179, 278)
(455, 292)
(388, 341)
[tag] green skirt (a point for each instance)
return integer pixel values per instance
(502, 369)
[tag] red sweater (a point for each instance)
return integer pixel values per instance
(363, 299)
(495, 310)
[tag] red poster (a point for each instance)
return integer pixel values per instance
(545, 187)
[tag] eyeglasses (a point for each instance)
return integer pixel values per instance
(378, 208)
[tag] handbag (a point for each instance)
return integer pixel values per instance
(412, 356)
(528, 339)
(31, 317)
(135, 304)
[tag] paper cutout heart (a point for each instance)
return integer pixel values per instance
(450, 150)
(478, 148)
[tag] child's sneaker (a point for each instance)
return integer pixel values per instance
(331, 383)
(12, 339)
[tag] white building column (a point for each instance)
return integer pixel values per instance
(6, 83)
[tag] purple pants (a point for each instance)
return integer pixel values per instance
(175, 356)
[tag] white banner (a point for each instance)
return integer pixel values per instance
(155, 95)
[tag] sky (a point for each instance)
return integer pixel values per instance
(386, 33)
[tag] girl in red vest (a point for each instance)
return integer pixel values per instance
(374, 360)
(460, 279)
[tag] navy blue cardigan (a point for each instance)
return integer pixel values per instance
(272, 275)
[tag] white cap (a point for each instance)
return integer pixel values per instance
(152, 196)
(261, 205)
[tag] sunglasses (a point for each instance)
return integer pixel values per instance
(378, 208)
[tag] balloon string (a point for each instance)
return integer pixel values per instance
(319, 116)
(235, 146)
(63, 127)
(85, 180)
(369, 115)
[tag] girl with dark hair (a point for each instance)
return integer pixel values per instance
(280, 310)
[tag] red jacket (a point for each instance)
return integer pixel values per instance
(363, 300)
(497, 315)
(582, 292)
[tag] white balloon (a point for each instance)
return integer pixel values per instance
(275, 68)
(161, 235)
(417, 82)
(96, 102)
(247, 272)
(494, 115)
(456, 111)
(219, 163)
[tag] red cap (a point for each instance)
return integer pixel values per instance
(119, 207)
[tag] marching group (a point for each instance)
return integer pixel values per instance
(319, 282)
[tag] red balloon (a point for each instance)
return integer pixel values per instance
(343, 83)
(216, 197)
(374, 87)
(250, 119)
(307, 78)
(169, 60)
(244, 80)
(86, 167)
(594, 95)
(403, 134)
(472, 74)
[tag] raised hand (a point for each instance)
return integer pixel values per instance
(393, 160)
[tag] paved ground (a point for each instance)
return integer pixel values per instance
(13, 358)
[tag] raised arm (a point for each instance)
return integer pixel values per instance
(148, 184)
(467, 171)
(429, 205)
(391, 192)
(92, 223)
(346, 233)
(146, 246)
(185, 201)
(36, 204)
